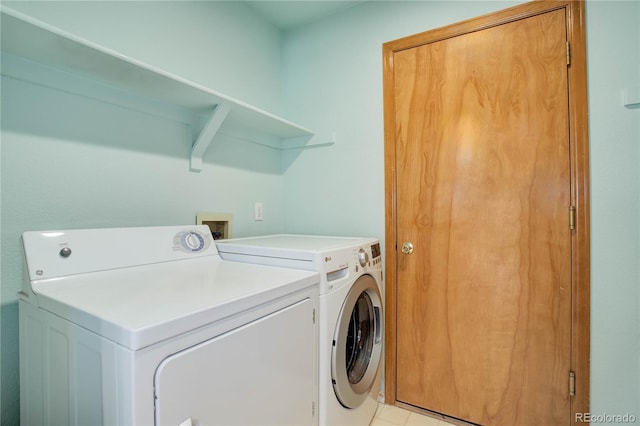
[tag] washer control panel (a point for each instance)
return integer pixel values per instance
(191, 241)
(376, 254)
(368, 256)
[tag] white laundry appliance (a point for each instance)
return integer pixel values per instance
(351, 314)
(149, 326)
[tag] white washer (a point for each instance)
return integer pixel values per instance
(351, 314)
(144, 326)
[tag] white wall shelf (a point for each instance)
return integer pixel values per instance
(52, 47)
(631, 97)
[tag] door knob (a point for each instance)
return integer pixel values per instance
(407, 247)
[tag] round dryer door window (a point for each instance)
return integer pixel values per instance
(357, 343)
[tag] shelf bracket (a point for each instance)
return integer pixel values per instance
(311, 141)
(206, 136)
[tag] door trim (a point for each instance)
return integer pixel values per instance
(579, 152)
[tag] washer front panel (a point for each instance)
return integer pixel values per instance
(357, 343)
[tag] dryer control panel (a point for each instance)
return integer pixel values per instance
(58, 253)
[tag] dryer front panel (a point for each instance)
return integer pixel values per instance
(261, 373)
(357, 343)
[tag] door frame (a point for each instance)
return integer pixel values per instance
(579, 159)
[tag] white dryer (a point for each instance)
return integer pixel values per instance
(351, 314)
(149, 326)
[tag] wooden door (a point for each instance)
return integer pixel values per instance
(483, 194)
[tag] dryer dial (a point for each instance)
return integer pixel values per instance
(191, 241)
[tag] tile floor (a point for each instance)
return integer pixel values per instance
(390, 415)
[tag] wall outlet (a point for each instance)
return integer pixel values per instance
(257, 211)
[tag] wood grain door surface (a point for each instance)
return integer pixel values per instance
(483, 193)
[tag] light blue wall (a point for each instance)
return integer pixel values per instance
(333, 79)
(613, 42)
(72, 162)
(223, 45)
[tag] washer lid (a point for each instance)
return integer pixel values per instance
(289, 246)
(139, 306)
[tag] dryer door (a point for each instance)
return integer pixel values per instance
(357, 343)
(262, 373)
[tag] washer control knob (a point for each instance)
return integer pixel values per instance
(363, 257)
(65, 252)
